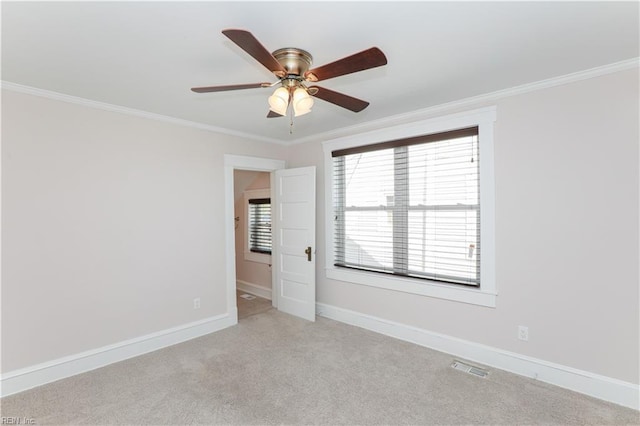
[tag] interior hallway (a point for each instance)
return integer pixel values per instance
(248, 304)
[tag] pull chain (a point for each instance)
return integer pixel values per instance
(291, 121)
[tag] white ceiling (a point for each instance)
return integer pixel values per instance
(147, 55)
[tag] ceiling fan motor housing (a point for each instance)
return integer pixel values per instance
(295, 61)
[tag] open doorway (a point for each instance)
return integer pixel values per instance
(232, 163)
(253, 242)
(294, 212)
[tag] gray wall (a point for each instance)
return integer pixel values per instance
(111, 226)
(566, 170)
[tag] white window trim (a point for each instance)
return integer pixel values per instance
(248, 254)
(486, 294)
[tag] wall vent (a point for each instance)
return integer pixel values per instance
(470, 369)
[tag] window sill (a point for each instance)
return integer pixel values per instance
(257, 257)
(474, 296)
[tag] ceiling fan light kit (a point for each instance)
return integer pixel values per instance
(302, 102)
(291, 66)
(279, 101)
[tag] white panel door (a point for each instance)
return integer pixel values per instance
(295, 224)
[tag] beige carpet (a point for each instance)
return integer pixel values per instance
(276, 369)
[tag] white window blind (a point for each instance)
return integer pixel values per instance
(260, 225)
(410, 207)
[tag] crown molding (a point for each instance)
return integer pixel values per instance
(131, 111)
(344, 131)
(421, 114)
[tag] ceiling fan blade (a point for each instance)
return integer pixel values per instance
(340, 99)
(273, 114)
(361, 61)
(247, 42)
(229, 87)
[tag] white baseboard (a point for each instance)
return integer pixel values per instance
(47, 372)
(601, 387)
(254, 289)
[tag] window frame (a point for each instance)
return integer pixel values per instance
(486, 293)
(395, 156)
(248, 254)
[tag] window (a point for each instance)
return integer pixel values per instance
(410, 208)
(259, 223)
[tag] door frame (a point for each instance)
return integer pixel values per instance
(231, 163)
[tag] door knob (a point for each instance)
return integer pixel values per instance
(307, 251)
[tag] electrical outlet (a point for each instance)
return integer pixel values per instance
(523, 333)
(196, 303)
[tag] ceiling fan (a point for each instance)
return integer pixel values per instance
(291, 66)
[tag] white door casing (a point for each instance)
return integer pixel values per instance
(295, 221)
(240, 162)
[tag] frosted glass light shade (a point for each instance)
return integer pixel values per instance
(302, 102)
(279, 101)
